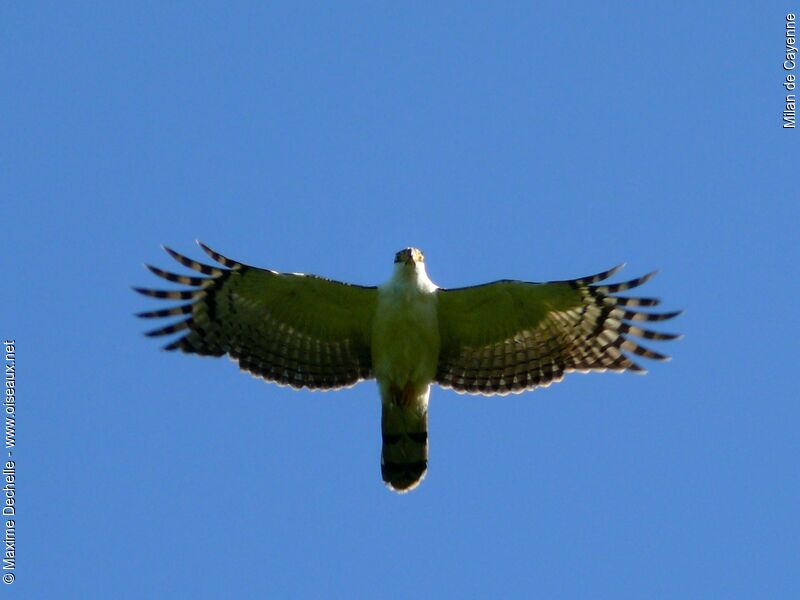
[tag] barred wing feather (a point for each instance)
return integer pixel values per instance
(293, 329)
(510, 336)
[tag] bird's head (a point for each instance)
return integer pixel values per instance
(409, 270)
(409, 256)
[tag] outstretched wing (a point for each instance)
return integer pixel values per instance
(510, 336)
(293, 329)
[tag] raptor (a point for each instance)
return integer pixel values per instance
(497, 338)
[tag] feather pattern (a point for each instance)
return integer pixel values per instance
(292, 329)
(511, 336)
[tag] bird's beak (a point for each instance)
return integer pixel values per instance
(410, 259)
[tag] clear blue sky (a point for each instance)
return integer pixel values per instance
(516, 140)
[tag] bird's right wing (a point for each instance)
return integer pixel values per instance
(510, 336)
(293, 329)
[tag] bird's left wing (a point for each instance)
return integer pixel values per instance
(509, 336)
(293, 329)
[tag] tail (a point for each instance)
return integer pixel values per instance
(404, 423)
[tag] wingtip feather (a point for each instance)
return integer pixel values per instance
(223, 260)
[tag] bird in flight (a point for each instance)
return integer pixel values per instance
(497, 338)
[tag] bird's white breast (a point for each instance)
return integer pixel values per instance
(405, 334)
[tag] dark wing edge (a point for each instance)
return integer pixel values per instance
(200, 285)
(585, 280)
(609, 321)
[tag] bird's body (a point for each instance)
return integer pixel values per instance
(497, 338)
(405, 352)
(405, 329)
